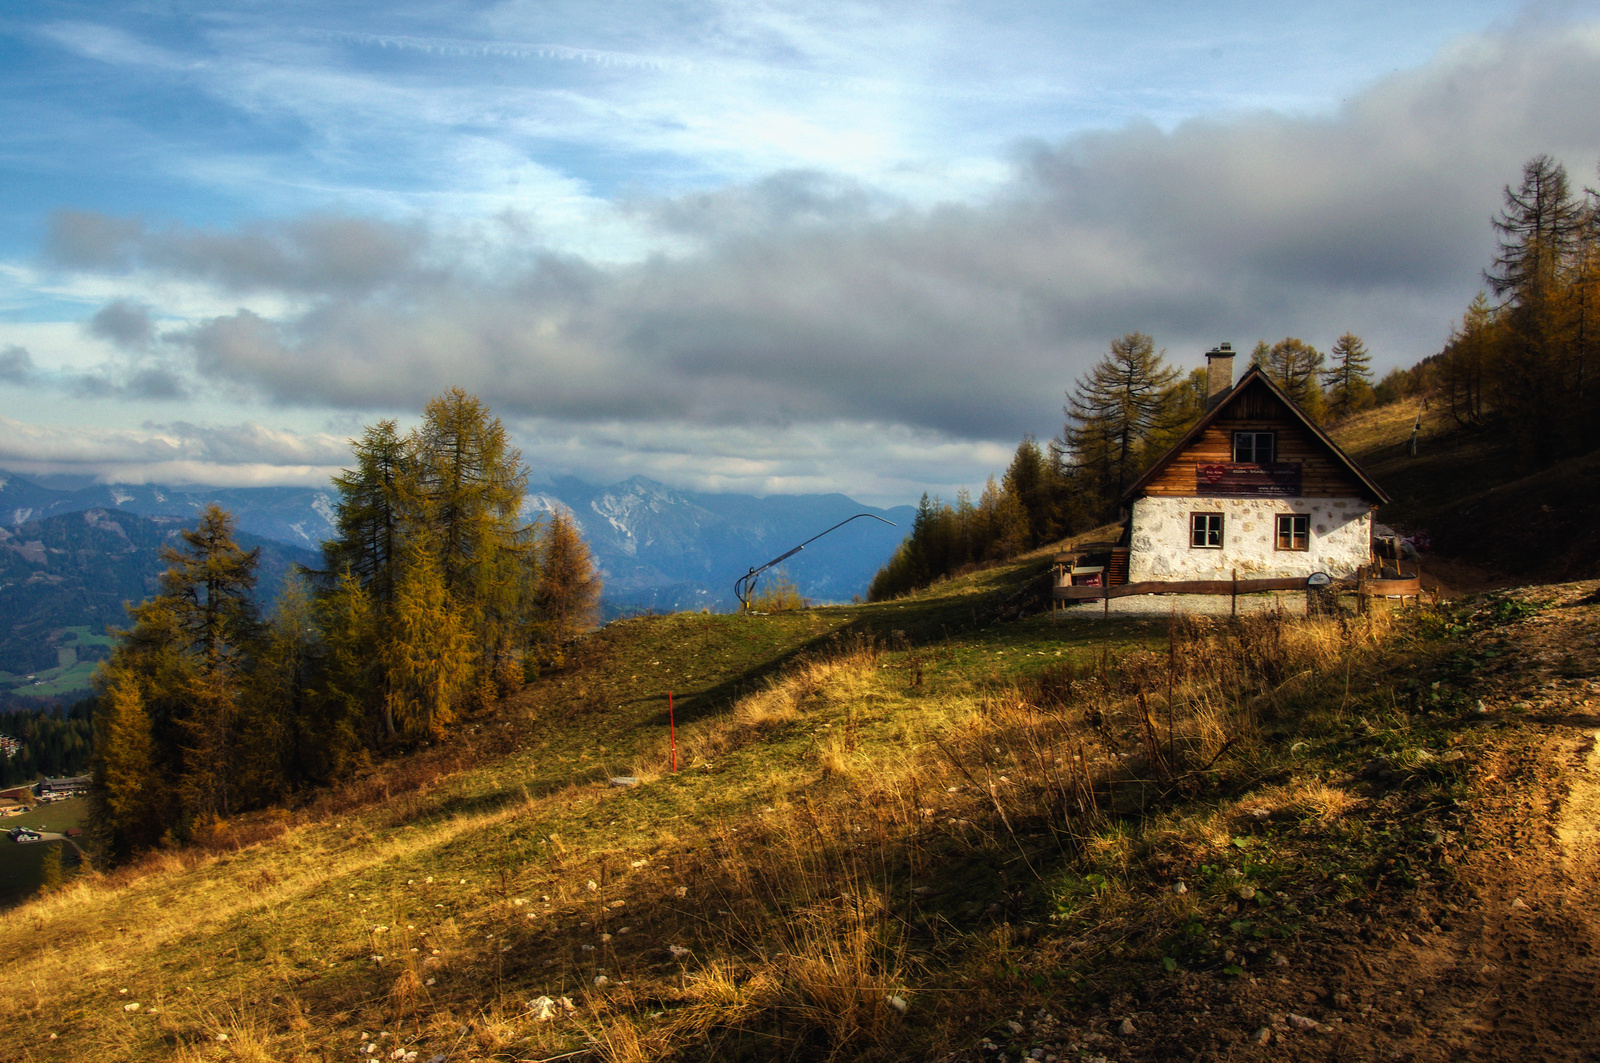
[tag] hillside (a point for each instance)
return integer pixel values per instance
(64, 581)
(1465, 492)
(902, 831)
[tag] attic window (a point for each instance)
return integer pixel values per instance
(1254, 448)
(1205, 531)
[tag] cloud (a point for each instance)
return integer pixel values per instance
(124, 324)
(802, 300)
(16, 366)
(318, 254)
(174, 453)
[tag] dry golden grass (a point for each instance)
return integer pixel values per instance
(830, 793)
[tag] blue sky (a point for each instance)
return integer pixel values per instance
(756, 247)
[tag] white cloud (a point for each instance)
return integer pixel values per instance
(238, 455)
(847, 310)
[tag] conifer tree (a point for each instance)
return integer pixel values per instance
(278, 714)
(1030, 479)
(189, 652)
(350, 684)
(1467, 367)
(1541, 230)
(427, 652)
(568, 585)
(1297, 366)
(371, 514)
(1112, 416)
(1349, 376)
(127, 790)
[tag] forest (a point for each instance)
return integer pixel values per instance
(434, 596)
(55, 741)
(1521, 364)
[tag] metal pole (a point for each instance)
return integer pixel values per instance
(744, 587)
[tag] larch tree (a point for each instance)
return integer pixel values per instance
(1113, 414)
(1541, 230)
(427, 654)
(1348, 377)
(126, 795)
(568, 585)
(470, 482)
(188, 655)
(371, 514)
(1297, 368)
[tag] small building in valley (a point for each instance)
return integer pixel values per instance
(1255, 488)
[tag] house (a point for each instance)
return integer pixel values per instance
(1254, 489)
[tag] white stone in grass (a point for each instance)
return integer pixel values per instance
(591, 886)
(543, 1008)
(1179, 888)
(131, 1007)
(897, 1003)
(601, 981)
(681, 891)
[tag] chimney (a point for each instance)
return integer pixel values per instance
(1219, 373)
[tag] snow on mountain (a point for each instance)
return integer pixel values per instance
(657, 547)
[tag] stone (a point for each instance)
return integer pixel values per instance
(1300, 1022)
(1126, 1029)
(1263, 1036)
(624, 781)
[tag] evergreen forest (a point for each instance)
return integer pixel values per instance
(435, 596)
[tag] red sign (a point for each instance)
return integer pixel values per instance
(1234, 478)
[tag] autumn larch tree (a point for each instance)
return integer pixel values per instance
(1348, 377)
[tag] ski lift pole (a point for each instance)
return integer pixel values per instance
(744, 587)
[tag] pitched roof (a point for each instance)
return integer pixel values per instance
(1255, 375)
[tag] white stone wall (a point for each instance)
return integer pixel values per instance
(1341, 538)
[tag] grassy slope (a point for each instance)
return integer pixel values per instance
(896, 800)
(888, 799)
(1466, 490)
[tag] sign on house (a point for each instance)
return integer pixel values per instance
(1233, 479)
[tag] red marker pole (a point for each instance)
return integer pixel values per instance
(672, 729)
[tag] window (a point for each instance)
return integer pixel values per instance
(1254, 448)
(1294, 531)
(1205, 531)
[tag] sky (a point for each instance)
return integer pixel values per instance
(762, 247)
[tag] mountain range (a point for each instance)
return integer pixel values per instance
(70, 554)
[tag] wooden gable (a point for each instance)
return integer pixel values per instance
(1307, 463)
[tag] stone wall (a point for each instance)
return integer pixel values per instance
(1340, 541)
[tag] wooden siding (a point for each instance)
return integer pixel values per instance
(1321, 476)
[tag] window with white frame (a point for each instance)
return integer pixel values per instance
(1294, 531)
(1205, 531)
(1255, 448)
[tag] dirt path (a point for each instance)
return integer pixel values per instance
(1505, 966)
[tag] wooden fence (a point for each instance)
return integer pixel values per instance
(1366, 588)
